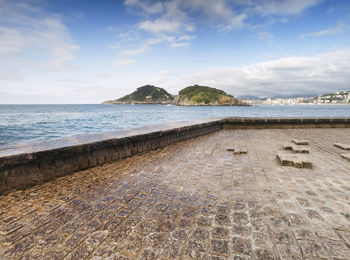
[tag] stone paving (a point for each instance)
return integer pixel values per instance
(191, 200)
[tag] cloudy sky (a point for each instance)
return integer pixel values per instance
(71, 51)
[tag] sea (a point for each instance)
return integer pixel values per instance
(23, 124)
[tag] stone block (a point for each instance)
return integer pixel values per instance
(101, 160)
(47, 170)
(127, 151)
(293, 160)
(63, 167)
(288, 147)
(3, 177)
(237, 150)
(220, 247)
(346, 156)
(296, 149)
(16, 178)
(324, 120)
(108, 157)
(83, 163)
(92, 162)
(300, 142)
(122, 154)
(339, 120)
(240, 151)
(35, 175)
(134, 150)
(342, 146)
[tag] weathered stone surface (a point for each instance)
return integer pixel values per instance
(342, 146)
(313, 249)
(196, 250)
(289, 252)
(241, 246)
(191, 200)
(220, 232)
(264, 254)
(220, 247)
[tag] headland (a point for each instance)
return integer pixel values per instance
(190, 96)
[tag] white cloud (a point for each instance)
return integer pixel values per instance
(340, 28)
(283, 7)
(286, 76)
(176, 16)
(11, 41)
(61, 47)
(148, 7)
(123, 63)
(186, 37)
(171, 21)
(265, 35)
(160, 26)
(220, 11)
(168, 80)
(180, 44)
(134, 52)
(35, 37)
(172, 28)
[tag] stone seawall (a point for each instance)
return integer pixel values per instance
(29, 165)
(275, 122)
(22, 166)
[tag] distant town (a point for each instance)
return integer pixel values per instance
(332, 98)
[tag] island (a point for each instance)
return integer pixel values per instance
(195, 95)
(205, 96)
(147, 94)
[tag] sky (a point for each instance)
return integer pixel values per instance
(87, 51)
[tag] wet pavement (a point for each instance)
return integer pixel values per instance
(192, 200)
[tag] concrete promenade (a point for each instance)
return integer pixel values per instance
(192, 200)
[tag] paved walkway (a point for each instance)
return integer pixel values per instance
(192, 200)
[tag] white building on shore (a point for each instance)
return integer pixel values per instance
(333, 98)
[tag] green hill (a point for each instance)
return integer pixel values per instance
(205, 96)
(147, 94)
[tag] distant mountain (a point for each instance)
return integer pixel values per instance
(205, 96)
(147, 94)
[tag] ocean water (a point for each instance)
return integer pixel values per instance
(31, 123)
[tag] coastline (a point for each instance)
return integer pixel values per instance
(29, 165)
(208, 105)
(308, 104)
(174, 104)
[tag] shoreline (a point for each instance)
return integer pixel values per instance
(28, 165)
(306, 104)
(174, 104)
(218, 105)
